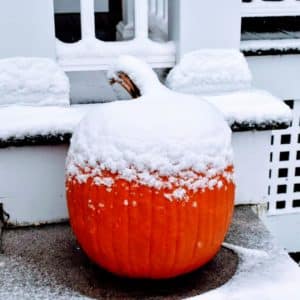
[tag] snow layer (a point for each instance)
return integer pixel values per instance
(269, 45)
(163, 133)
(210, 71)
(22, 121)
(251, 107)
(92, 48)
(222, 77)
(32, 81)
(259, 276)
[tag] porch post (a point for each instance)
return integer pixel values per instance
(87, 19)
(141, 23)
(195, 24)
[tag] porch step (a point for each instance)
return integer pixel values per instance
(45, 262)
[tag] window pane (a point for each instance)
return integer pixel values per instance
(108, 13)
(67, 20)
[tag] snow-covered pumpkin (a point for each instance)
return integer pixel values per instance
(150, 181)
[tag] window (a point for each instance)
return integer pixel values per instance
(107, 16)
(73, 19)
(277, 21)
(67, 20)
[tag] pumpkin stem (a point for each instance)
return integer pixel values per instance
(125, 81)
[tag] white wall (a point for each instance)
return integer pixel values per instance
(196, 24)
(279, 74)
(251, 161)
(73, 6)
(27, 28)
(32, 185)
(32, 179)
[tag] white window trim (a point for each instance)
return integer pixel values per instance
(260, 8)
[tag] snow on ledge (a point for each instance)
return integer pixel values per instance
(19, 122)
(32, 81)
(209, 71)
(93, 54)
(222, 77)
(282, 45)
(252, 108)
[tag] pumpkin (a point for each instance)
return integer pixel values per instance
(149, 183)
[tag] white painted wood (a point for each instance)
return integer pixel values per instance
(90, 54)
(158, 20)
(32, 183)
(87, 19)
(141, 25)
(195, 24)
(278, 74)
(32, 178)
(125, 28)
(260, 8)
(251, 161)
(290, 165)
(27, 28)
(152, 5)
(159, 60)
(286, 229)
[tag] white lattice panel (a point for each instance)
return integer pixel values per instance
(284, 173)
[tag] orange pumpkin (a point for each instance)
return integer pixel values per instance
(136, 230)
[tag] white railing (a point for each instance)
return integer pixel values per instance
(158, 17)
(92, 54)
(263, 8)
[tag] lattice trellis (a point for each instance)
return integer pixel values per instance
(284, 173)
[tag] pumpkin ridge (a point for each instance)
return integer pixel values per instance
(173, 267)
(150, 268)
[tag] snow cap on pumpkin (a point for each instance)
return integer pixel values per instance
(161, 134)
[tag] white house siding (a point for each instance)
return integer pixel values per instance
(278, 74)
(194, 25)
(27, 28)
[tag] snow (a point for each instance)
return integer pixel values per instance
(210, 71)
(251, 107)
(222, 77)
(20, 121)
(92, 48)
(268, 45)
(163, 133)
(32, 81)
(260, 275)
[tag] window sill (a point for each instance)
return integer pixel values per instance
(270, 47)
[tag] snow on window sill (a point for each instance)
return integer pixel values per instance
(270, 47)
